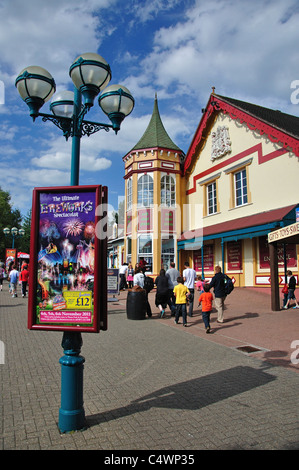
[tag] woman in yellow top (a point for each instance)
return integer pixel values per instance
(181, 292)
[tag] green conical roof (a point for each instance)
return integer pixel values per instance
(155, 134)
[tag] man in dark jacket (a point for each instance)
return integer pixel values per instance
(218, 282)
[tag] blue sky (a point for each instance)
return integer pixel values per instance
(177, 49)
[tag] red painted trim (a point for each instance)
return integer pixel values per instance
(150, 170)
(256, 148)
(253, 123)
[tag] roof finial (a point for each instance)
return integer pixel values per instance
(155, 95)
(213, 90)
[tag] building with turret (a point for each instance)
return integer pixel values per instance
(217, 204)
(153, 191)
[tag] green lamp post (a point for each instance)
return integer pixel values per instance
(14, 232)
(90, 74)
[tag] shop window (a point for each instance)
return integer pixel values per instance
(129, 249)
(145, 250)
(167, 252)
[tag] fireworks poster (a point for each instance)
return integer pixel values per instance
(67, 277)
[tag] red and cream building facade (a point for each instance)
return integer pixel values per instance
(218, 203)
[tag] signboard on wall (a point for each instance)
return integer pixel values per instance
(291, 254)
(68, 259)
(208, 259)
(234, 255)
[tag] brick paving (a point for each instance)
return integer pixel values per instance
(153, 385)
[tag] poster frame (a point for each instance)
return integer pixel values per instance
(99, 213)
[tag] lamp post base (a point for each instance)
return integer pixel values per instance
(71, 412)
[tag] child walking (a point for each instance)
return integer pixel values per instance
(199, 284)
(181, 291)
(206, 300)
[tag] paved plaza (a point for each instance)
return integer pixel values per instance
(153, 385)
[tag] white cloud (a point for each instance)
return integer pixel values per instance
(53, 33)
(237, 46)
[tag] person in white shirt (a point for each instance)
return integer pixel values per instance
(189, 276)
(138, 278)
(122, 274)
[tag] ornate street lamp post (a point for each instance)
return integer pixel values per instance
(14, 232)
(90, 74)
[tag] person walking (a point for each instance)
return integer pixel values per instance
(199, 284)
(2, 272)
(172, 273)
(181, 291)
(130, 276)
(189, 276)
(138, 279)
(13, 278)
(291, 293)
(162, 296)
(148, 286)
(122, 274)
(218, 283)
(206, 300)
(24, 276)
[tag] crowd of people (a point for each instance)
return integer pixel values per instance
(176, 290)
(15, 277)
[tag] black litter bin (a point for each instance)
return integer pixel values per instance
(136, 304)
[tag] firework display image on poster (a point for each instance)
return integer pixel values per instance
(65, 250)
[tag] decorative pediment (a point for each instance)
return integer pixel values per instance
(221, 143)
(278, 127)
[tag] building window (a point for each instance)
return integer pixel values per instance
(241, 197)
(145, 190)
(240, 194)
(145, 250)
(129, 249)
(167, 252)
(168, 191)
(129, 194)
(211, 198)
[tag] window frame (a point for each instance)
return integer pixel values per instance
(129, 193)
(169, 197)
(239, 200)
(145, 191)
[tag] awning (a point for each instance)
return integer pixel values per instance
(23, 255)
(255, 225)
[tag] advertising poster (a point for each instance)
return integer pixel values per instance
(264, 260)
(10, 257)
(67, 272)
(113, 281)
(234, 256)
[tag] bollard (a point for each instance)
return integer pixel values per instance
(71, 412)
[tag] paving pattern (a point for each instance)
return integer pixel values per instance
(155, 386)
